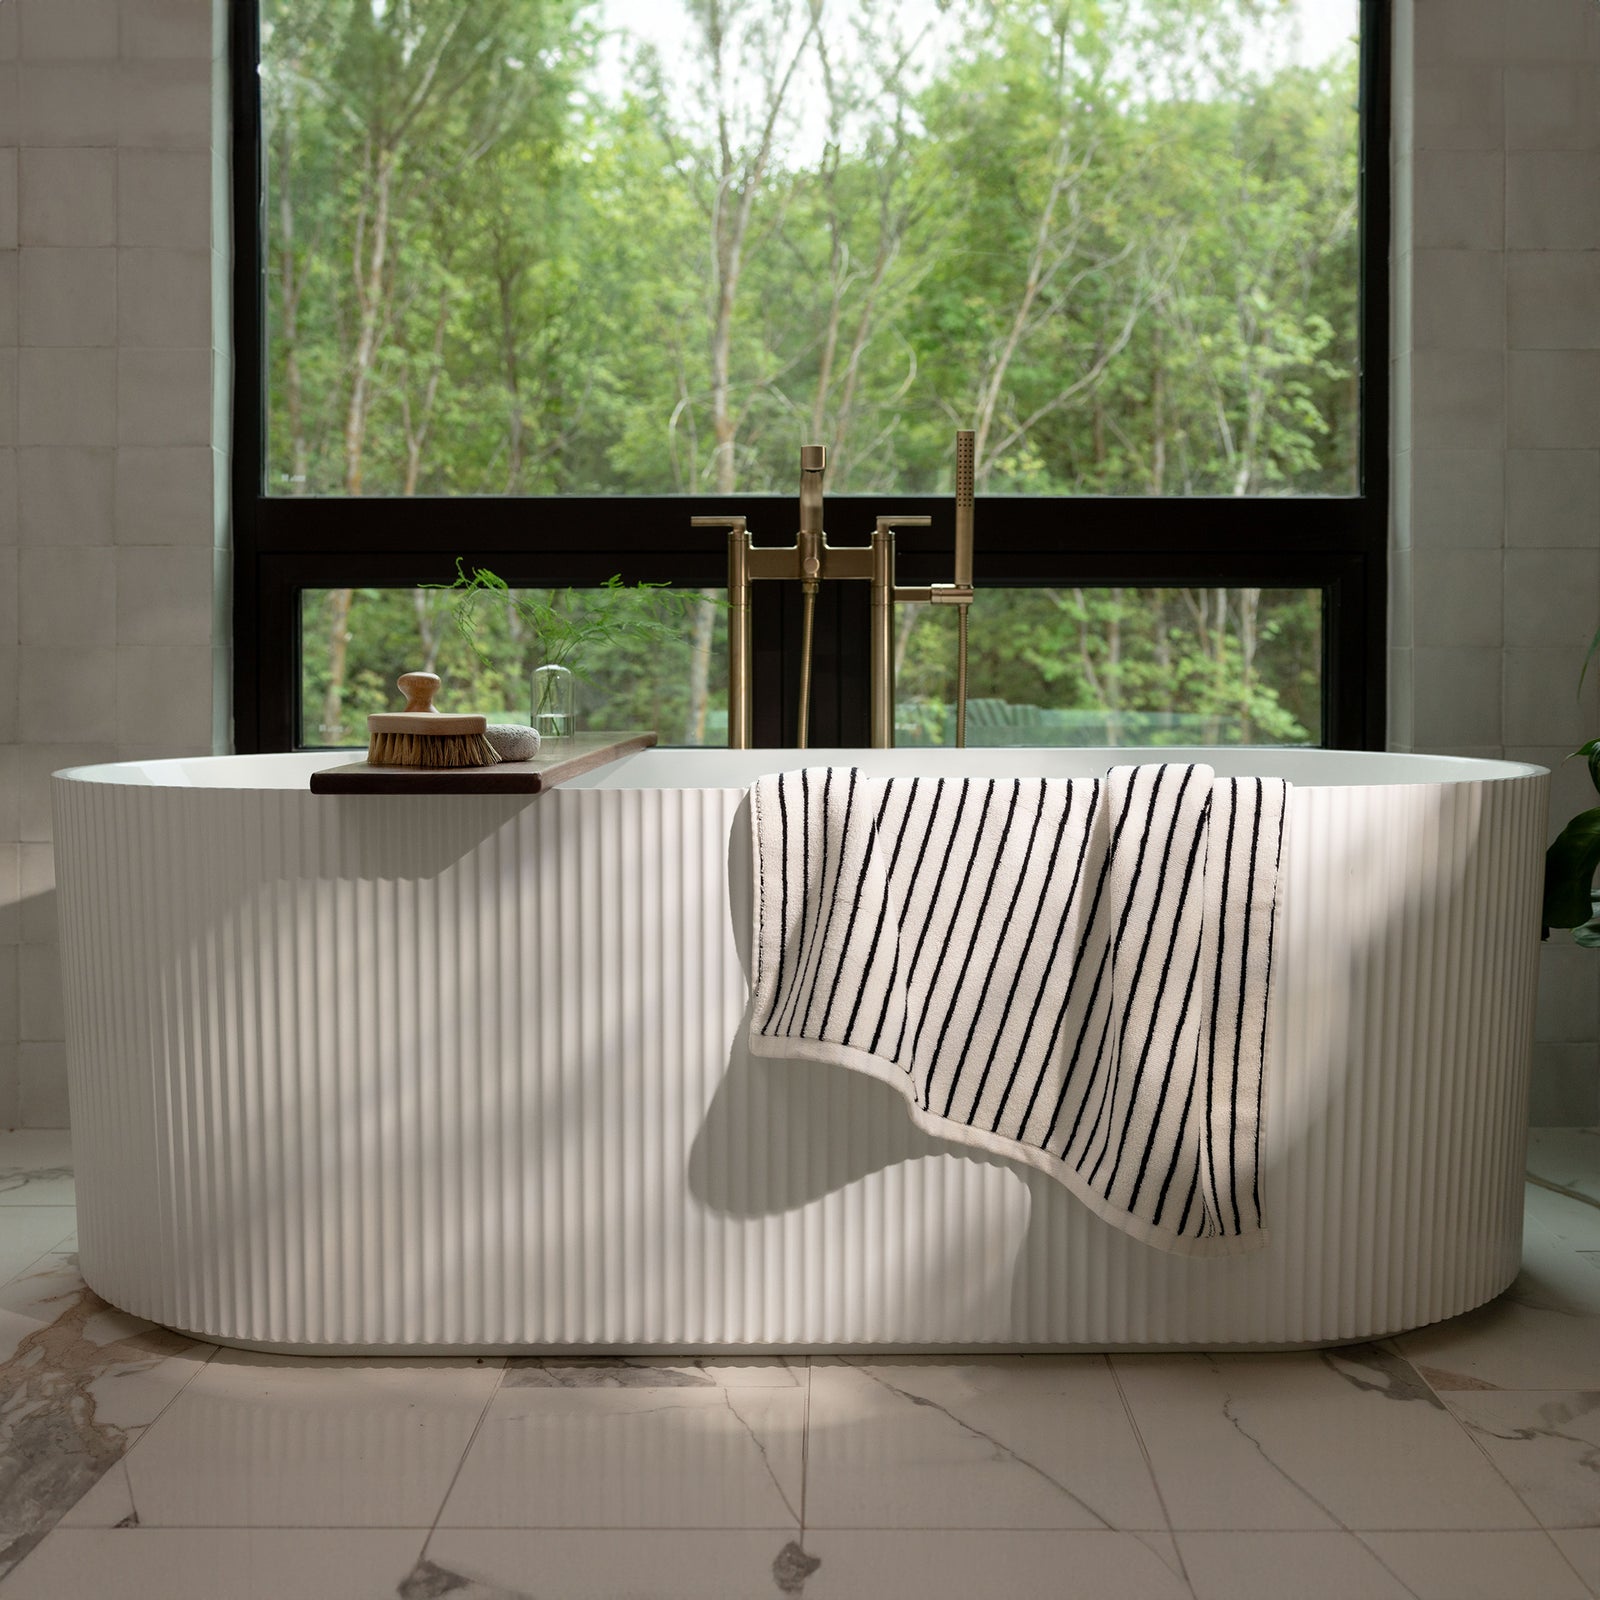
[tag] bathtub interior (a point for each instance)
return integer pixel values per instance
(684, 768)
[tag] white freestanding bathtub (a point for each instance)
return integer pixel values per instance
(468, 1074)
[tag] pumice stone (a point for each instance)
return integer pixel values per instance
(512, 741)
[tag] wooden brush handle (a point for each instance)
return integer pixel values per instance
(419, 688)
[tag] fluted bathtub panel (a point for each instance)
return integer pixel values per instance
(468, 1072)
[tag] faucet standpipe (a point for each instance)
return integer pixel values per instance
(812, 560)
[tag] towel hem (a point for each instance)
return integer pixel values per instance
(856, 1060)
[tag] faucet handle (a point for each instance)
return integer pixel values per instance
(735, 524)
(886, 523)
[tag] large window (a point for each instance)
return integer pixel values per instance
(533, 281)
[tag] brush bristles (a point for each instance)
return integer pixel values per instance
(431, 750)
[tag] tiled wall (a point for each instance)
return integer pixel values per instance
(113, 385)
(113, 400)
(1496, 567)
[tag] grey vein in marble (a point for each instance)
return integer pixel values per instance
(14, 1178)
(429, 1581)
(53, 1447)
(1002, 1451)
(792, 1566)
(538, 1372)
(1374, 1370)
(761, 1449)
(1555, 1420)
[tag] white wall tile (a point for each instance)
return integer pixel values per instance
(164, 594)
(68, 296)
(10, 274)
(1552, 597)
(1401, 691)
(1457, 597)
(1552, 200)
(10, 42)
(1543, 704)
(1553, 498)
(10, 810)
(68, 196)
(1550, 30)
(167, 29)
(1402, 610)
(1459, 200)
(163, 297)
(68, 30)
(1459, 107)
(64, 496)
(39, 970)
(1553, 107)
(10, 892)
(68, 595)
(1459, 299)
(10, 606)
(163, 198)
(165, 105)
(8, 497)
(67, 396)
(1554, 399)
(9, 368)
(67, 695)
(10, 1003)
(10, 111)
(164, 495)
(8, 696)
(1553, 298)
(10, 234)
(10, 1084)
(164, 397)
(67, 105)
(42, 1088)
(165, 693)
(1457, 697)
(1458, 399)
(1569, 995)
(40, 924)
(1565, 1089)
(1457, 30)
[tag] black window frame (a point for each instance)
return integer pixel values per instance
(285, 544)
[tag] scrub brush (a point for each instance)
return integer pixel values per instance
(419, 736)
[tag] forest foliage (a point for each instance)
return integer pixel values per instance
(511, 253)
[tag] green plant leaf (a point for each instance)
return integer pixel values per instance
(1588, 934)
(1591, 753)
(1594, 647)
(1569, 869)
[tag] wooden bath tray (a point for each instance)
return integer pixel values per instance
(590, 750)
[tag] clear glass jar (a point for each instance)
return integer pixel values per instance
(555, 709)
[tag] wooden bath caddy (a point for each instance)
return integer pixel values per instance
(587, 751)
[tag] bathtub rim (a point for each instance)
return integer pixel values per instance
(289, 771)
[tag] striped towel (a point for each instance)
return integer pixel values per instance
(1071, 974)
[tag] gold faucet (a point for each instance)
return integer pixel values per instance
(813, 561)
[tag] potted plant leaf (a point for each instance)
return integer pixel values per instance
(1571, 862)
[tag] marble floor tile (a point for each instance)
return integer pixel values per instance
(284, 1441)
(36, 1168)
(79, 1381)
(1545, 1443)
(28, 1233)
(1508, 1345)
(1567, 1156)
(610, 1564)
(677, 1456)
(1581, 1546)
(1010, 1442)
(983, 1564)
(1286, 1566)
(1575, 1220)
(652, 1372)
(221, 1564)
(1478, 1566)
(1554, 1276)
(1346, 1438)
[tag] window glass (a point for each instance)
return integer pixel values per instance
(651, 246)
(356, 642)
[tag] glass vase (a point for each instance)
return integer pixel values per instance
(555, 709)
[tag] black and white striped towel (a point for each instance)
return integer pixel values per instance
(1071, 974)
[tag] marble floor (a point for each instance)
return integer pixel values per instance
(1461, 1462)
